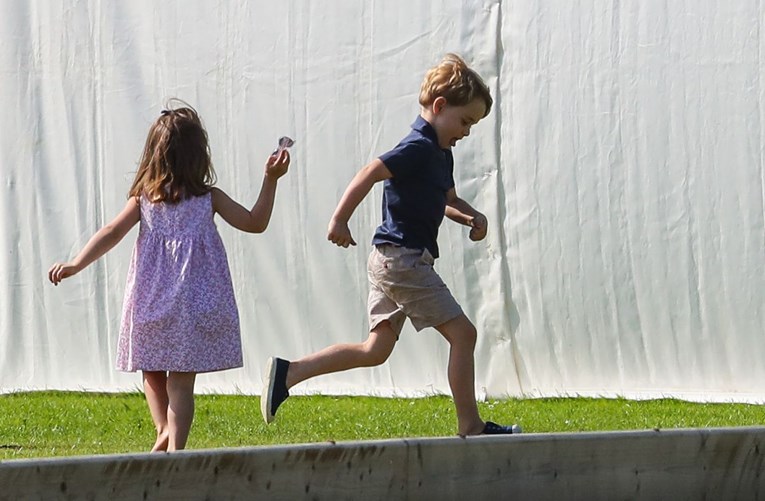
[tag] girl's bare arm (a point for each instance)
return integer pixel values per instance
(99, 244)
(256, 219)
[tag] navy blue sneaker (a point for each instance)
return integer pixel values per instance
(498, 429)
(275, 388)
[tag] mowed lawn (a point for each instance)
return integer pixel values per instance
(46, 424)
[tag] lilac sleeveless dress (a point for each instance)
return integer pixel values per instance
(179, 312)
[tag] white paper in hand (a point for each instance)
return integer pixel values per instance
(284, 143)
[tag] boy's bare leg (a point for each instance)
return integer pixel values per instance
(461, 335)
(180, 408)
(339, 357)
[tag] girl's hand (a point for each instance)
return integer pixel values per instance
(277, 164)
(60, 271)
(339, 234)
(479, 226)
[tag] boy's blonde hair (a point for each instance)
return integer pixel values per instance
(175, 163)
(453, 80)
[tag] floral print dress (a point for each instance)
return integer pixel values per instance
(179, 312)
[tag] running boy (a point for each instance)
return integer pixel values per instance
(418, 191)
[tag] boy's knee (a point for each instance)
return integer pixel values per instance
(459, 332)
(471, 335)
(466, 337)
(374, 357)
(375, 354)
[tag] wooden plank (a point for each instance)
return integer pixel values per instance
(672, 464)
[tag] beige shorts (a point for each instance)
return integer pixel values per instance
(403, 283)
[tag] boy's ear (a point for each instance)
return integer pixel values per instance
(438, 105)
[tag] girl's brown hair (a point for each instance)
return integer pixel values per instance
(175, 163)
(456, 82)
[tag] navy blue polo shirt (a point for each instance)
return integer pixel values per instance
(414, 199)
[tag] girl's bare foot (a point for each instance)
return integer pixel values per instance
(162, 440)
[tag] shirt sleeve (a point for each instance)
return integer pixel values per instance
(402, 160)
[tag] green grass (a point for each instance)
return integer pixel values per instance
(45, 424)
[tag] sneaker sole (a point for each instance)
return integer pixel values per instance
(268, 391)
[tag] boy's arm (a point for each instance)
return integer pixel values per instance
(338, 232)
(99, 244)
(256, 219)
(463, 213)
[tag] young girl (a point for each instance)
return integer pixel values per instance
(418, 191)
(179, 314)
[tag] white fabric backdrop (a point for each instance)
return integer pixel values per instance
(621, 170)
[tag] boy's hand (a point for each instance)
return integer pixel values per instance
(479, 226)
(339, 234)
(277, 164)
(60, 271)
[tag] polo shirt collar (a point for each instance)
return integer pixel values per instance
(423, 127)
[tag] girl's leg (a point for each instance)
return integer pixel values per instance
(155, 388)
(339, 357)
(461, 335)
(180, 408)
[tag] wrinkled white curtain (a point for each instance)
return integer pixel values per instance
(621, 170)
